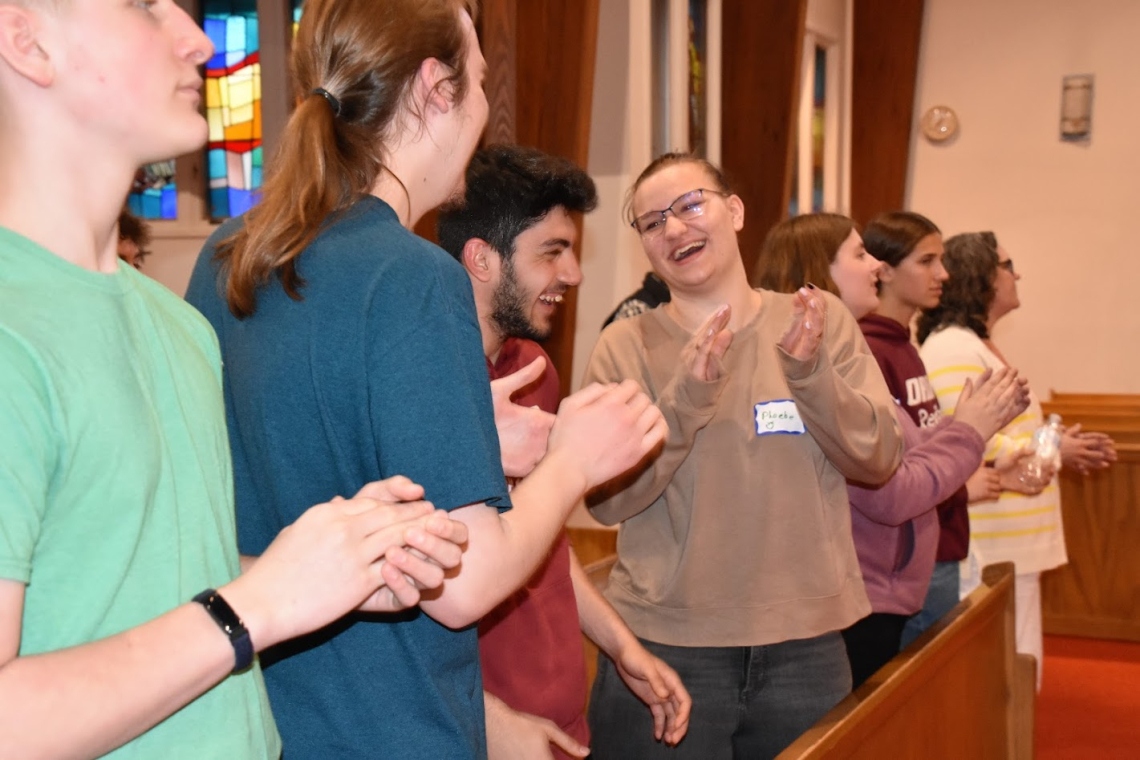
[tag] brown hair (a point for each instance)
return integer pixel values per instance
(972, 261)
(801, 250)
(366, 58)
(669, 159)
(892, 236)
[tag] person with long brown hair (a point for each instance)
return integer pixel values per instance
(352, 351)
(735, 562)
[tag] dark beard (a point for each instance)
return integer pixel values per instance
(509, 309)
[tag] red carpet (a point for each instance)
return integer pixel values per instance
(1089, 705)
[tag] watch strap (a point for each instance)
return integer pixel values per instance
(231, 625)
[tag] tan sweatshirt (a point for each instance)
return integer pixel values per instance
(739, 532)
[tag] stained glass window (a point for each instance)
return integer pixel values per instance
(819, 108)
(296, 16)
(233, 106)
(153, 194)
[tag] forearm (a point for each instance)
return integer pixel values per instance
(504, 549)
(850, 415)
(687, 406)
(89, 699)
(599, 621)
(929, 473)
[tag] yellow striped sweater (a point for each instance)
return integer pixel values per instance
(1023, 529)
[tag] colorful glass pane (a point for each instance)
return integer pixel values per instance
(153, 193)
(233, 106)
(296, 15)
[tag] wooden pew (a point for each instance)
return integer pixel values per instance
(1098, 592)
(959, 691)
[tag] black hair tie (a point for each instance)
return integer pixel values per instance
(333, 102)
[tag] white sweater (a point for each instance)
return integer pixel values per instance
(1023, 529)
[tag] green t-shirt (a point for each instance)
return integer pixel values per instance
(116, 489)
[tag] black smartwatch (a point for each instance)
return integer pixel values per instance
(224, 615)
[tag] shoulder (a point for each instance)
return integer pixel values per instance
(951, 338)
(638, 334)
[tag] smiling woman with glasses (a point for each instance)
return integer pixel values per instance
(736, 564)
(688, 206)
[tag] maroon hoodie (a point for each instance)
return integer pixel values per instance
(906, 378)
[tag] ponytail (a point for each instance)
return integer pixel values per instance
(354, 64)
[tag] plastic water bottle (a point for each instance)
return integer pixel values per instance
(1037, 469)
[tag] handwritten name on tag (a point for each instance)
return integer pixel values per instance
(780, 416)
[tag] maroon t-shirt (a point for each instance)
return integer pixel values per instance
(906, 378)
(531, 644)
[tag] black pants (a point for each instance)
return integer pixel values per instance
(872, 642)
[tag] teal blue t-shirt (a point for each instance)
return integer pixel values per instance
(377, 371)
(115, 482)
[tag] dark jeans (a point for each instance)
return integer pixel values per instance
(871, 643)
(748, 702)
(941, 597)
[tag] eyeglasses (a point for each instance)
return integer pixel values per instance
(688, 206)
(1007, 265)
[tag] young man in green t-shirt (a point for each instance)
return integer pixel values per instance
(123, 608)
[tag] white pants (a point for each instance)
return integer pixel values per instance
(1026, 605)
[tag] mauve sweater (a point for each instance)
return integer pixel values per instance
(896, 524)
(908, 382)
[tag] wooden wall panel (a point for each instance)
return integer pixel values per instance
(887, 35)
(761, 47)
(1098, 593)
(540, 79)
(498, 32)
(275, 25)
(556, 46)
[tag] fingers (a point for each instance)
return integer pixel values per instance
(967, 391)
(563, 740)
(403, 593)
(716, 322)
(658, 713)
(507, 386)
(443, 552)
(423, 573)
(587, 395)
(373, 515)
(439, 524)
(396, 488)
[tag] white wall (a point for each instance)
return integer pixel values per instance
(1062, 210)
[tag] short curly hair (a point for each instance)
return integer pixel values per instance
(972, 261)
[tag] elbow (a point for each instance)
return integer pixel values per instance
(458, 611)
(887, 457)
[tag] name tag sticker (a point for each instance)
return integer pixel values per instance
(780, 416)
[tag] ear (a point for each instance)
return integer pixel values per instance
(480, 260)
(886, 273)
(20, 45)
(736, 209)
(431, 88)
